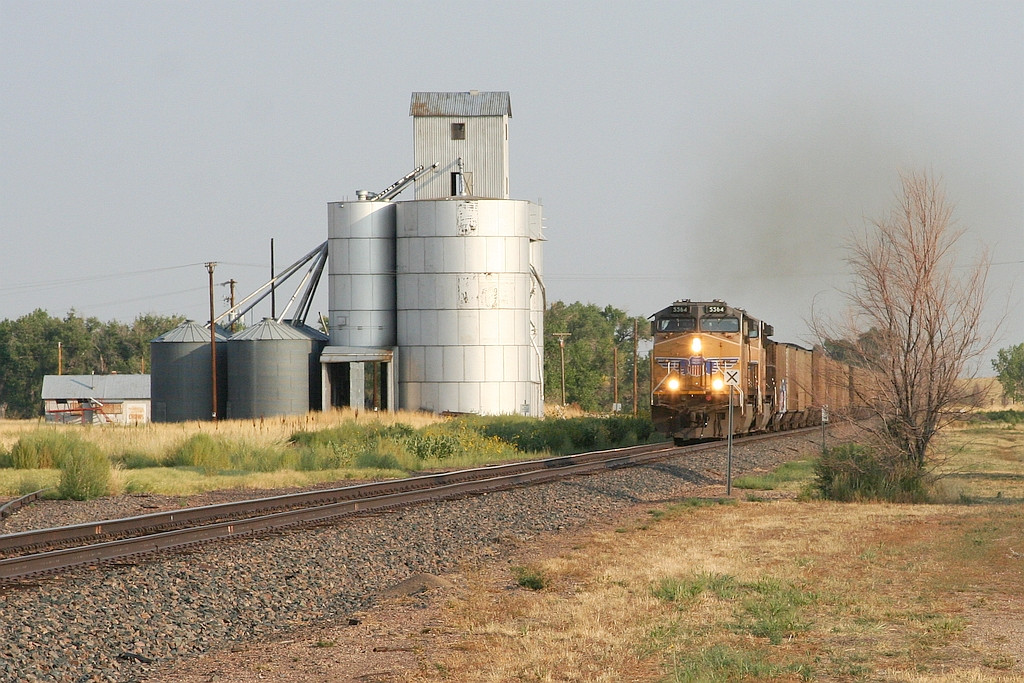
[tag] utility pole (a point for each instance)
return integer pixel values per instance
(561, 346)
(615, 378)
(213, 342)
(231, 283)
(636, 346)
(60, 358)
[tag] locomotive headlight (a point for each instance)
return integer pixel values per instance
(695, 345)
(672, 384)
(717, 384)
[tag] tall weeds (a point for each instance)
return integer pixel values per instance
(43, 449)
(348, 446)
(84, 474)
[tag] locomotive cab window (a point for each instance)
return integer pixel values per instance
(676, 324)
(727, 324)
(753, 329)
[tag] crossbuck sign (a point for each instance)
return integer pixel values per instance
(732, 377)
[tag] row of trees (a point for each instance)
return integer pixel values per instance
(39, 344)
(1009, 367)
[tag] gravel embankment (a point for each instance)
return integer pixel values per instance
(116, 623)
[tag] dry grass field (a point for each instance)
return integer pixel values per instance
(156, 440)
(783, 590)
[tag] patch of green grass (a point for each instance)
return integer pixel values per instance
(725, 663)
(529, 577)
(771, 610)
(794, 471)
(686, 589)
(768, 608)
(687, 505)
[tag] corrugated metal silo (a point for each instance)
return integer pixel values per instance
(362, 273)
(269, 368)
(319, 342)
(181, 374)
(466, 296)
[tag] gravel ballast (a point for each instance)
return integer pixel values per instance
(121, 622)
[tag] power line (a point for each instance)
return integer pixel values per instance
(47, 284)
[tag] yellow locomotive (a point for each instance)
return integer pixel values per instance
(706, 351)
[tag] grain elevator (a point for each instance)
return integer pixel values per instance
(437, 303)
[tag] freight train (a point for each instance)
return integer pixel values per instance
(706, 352)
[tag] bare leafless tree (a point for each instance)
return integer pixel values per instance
(914, 317)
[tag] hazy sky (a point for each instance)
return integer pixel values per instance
(680, 149)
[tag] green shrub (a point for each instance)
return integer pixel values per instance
(84, 473)
(263, 458)
(439, 442)
(43, 449)
(1009, 416)
(564, 437)
(854, 472)
(30, 484)
(530, 577)
(132, 460)
(5, 459)
(325, 456)
(203, 451)
(387, 454)
(349, 432)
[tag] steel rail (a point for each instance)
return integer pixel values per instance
(434, 487)
(12, 506)
(56, 560)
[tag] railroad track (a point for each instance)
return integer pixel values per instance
(50, 551)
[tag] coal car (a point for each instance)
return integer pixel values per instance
(707, 353)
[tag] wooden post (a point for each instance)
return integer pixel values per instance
(636, 344)
(213, 343)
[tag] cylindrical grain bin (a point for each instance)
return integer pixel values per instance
(361, 244)
(269, 370)
(465, 302)
(181, 375)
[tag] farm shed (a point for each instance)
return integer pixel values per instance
(88, 399)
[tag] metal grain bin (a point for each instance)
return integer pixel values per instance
(362, 273)
(466, 295)
(181, 374)
(269, 368)
(319, 342)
